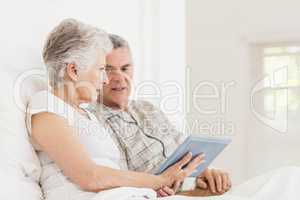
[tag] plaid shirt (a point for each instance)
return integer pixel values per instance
(143, 134)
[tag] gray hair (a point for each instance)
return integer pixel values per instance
(118, 42)
(73, 42)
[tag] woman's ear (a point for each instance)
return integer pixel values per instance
(72, 71)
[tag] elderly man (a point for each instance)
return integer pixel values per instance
(137, 125)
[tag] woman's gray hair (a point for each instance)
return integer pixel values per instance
(73, 42)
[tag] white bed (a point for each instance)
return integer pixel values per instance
(281, 184)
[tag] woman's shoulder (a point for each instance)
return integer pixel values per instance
(39, 97)
(38, 102)
(45, 101)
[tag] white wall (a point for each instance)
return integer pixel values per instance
(219, 37)
(149, 25)
(25, 24)
(161, 73)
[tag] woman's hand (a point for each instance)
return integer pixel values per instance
(182, 169)
(167, 191)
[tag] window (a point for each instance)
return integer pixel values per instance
(282, 64)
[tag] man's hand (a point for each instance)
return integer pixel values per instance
(216, 181)
(211, 182)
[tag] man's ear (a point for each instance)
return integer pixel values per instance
(71, 71)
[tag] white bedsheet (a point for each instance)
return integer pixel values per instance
(282, 184)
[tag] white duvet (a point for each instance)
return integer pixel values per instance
(282, 184)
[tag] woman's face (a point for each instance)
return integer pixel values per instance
(91, 79)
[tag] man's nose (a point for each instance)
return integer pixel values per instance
(105, 79)
(115, 72)
(115, 75)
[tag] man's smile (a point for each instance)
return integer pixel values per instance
(118, 89)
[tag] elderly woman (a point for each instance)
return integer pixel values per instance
(79, 159)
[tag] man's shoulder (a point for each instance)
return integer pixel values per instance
(140, 103)
(143, 106)
(92, 107)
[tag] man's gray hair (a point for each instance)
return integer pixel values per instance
(118, 41)
(73, 42)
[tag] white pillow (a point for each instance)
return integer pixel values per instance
(19, 166)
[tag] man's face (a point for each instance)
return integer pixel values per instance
(120, 72)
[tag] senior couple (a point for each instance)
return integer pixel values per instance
(115, 144)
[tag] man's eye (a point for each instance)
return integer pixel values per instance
(125, 69)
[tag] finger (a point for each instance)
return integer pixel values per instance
(185, 160)
(194, 164)
(203, 173)
(162, 193)
(218, 180)
(168, 191)
(176, 186)
(228, 181)
(158, 194)
(224, 181)
(229, 184)
(201, 183)
(211, 182)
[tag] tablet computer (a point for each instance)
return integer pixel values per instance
(211, 147)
